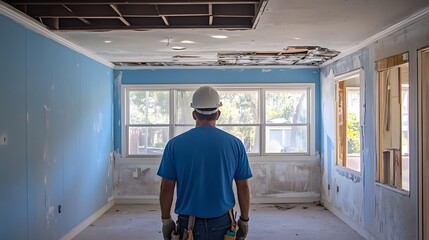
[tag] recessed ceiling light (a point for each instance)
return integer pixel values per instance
(219, 36)
(108, 41)
(178, 48)
(297, 38)
(187, 41)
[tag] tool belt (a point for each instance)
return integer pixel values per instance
(188, 234)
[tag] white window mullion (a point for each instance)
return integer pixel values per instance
(262, 121)
(173, 113)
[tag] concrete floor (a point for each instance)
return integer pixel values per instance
(268, 221)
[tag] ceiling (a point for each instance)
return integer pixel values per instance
(179, 32)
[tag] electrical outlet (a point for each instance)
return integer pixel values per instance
(3, 140)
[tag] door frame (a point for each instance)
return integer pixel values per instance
(423, 72)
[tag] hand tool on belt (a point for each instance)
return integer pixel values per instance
(188, 235)
(232, 232)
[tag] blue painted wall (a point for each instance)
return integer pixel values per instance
(56, 114)
(214, 76)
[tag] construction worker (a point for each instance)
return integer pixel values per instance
(203, 162)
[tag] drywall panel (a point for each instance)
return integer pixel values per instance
(13, 163)
(59, 112)
(341, 187)
(383, 212)
(45, 152)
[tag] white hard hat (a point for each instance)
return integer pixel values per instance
(205, 98)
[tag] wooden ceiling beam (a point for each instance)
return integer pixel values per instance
(120, 15)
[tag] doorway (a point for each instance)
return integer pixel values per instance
(423, 141)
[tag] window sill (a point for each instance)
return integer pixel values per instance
(263, 159)
(400, 191)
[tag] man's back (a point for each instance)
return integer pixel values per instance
(204, 161)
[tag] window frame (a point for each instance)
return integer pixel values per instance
(360, 73)
(385, 64)
(261, 88)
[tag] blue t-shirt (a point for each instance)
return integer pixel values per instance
(204, 161)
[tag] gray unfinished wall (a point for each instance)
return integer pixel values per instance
(273, 180)
(376, 211)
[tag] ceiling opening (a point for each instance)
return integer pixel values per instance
(104, 15)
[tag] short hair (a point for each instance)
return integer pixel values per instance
(210, 117)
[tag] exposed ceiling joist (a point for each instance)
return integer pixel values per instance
(120, 14)
(103, 15)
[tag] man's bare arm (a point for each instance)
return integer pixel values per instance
(166, 197)
(243, 192)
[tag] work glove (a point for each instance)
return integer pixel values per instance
(168, 227)
(243, 229)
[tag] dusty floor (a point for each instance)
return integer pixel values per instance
(268, 221)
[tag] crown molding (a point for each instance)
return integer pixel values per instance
(33, 25)
(262, 67)
(394, 28)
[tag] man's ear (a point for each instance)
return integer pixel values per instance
(194, 115)
(218, 114)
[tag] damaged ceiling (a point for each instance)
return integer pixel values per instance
(297, 56)
(95, 15)
(150, 33)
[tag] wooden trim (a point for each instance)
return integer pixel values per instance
(383, 65)
(424, 148)
(379, 165)
(341, 123)
(393, 61)
(423, 153)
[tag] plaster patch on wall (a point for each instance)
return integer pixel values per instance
(328, 104)
(146, 184)
(279, 178)
(349, 175)
(394, 223)
(98, 124)
(49, 215)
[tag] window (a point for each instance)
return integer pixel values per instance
(276, 120)
(348, 124)
(393, 137)
(286, 119)
(147, 121)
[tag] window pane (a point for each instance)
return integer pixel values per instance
(353, 125)
(286, 139)
(405, 147)
(249, 135)
(184, 110)
(147, 140)
(286, 106)
(149, 107)
(239, 107)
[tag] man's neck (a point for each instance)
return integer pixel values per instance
(203, 123)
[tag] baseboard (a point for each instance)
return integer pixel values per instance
(79, 228)
(358, 228)
(129, 199)
(294, 197)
